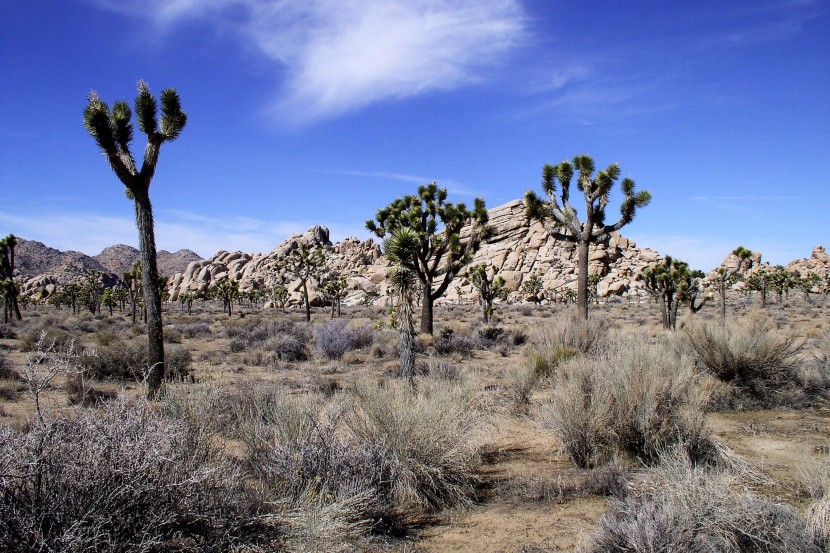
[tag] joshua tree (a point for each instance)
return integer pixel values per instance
(724, 275)
(489, 288)
(782, 282)
(401, 249)
(8, 286)
(304, 263)
(561, 220)
(91, 291)
(593, 287)
(332, 286)
(132, 280)
(113, 132)
(673, 283)
(759, 281)
(437, 226)
(532, 287)
(109, 300)
(227, 290)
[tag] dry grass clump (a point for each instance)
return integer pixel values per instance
(697, 510)
(762, 366)
(634, 398)
(282, 337)
(120, 478)
(817, 481)
(431, 434)
(574, 333)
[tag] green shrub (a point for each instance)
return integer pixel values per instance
(761, 365)
(636, 399)
(430, 434)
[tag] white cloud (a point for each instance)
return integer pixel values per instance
(453, 187)
(341, 56)
(175, 230)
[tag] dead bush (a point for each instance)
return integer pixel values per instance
(116, 479)
(334, 338)
(697, 510)
(125, 361)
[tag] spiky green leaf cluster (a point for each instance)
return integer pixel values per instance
(113, 131)
(595, 189)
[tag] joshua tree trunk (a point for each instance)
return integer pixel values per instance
(307, 303)
(426, 307)
(152, 298)
(583, 247)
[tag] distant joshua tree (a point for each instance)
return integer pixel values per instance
(437, 225)
(401, 248)
(489, 287)
(8, 287)
(673, 283)
(562, 221)
(303, 263)
(113, 132)
(725, 275)
(532, 287)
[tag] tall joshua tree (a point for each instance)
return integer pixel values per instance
(112, 130)
(673, 283)
(561, 220)
(437, 225)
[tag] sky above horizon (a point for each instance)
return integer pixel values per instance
(305, 112)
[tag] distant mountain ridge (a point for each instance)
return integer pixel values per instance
(34, 258)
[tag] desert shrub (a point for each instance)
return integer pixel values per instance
(302, 461)
(127, 361)
(237, 344)
(7, 331)
(334, 338)
(575, 333)
(449, 342)
(106, 337)
(286, 347)
(519, 380)
(82, 391)
(440, 369)
(196, 330)
(636, 398)
(7, 372)
(430, 434)
(817, 482)
(761, 365)
(545, 360)
(59, 337)
(697, 510)
(172, 335)
(117, 479)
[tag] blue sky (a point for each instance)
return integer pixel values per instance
(306, 112)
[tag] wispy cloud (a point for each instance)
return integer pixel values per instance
(175, 230)
(746, 198)
(452, 186)
(339, 56)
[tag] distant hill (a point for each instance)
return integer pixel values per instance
(34, 258)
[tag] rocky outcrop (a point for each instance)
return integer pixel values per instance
(359, 261)
(518, 249)
(818, 264)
